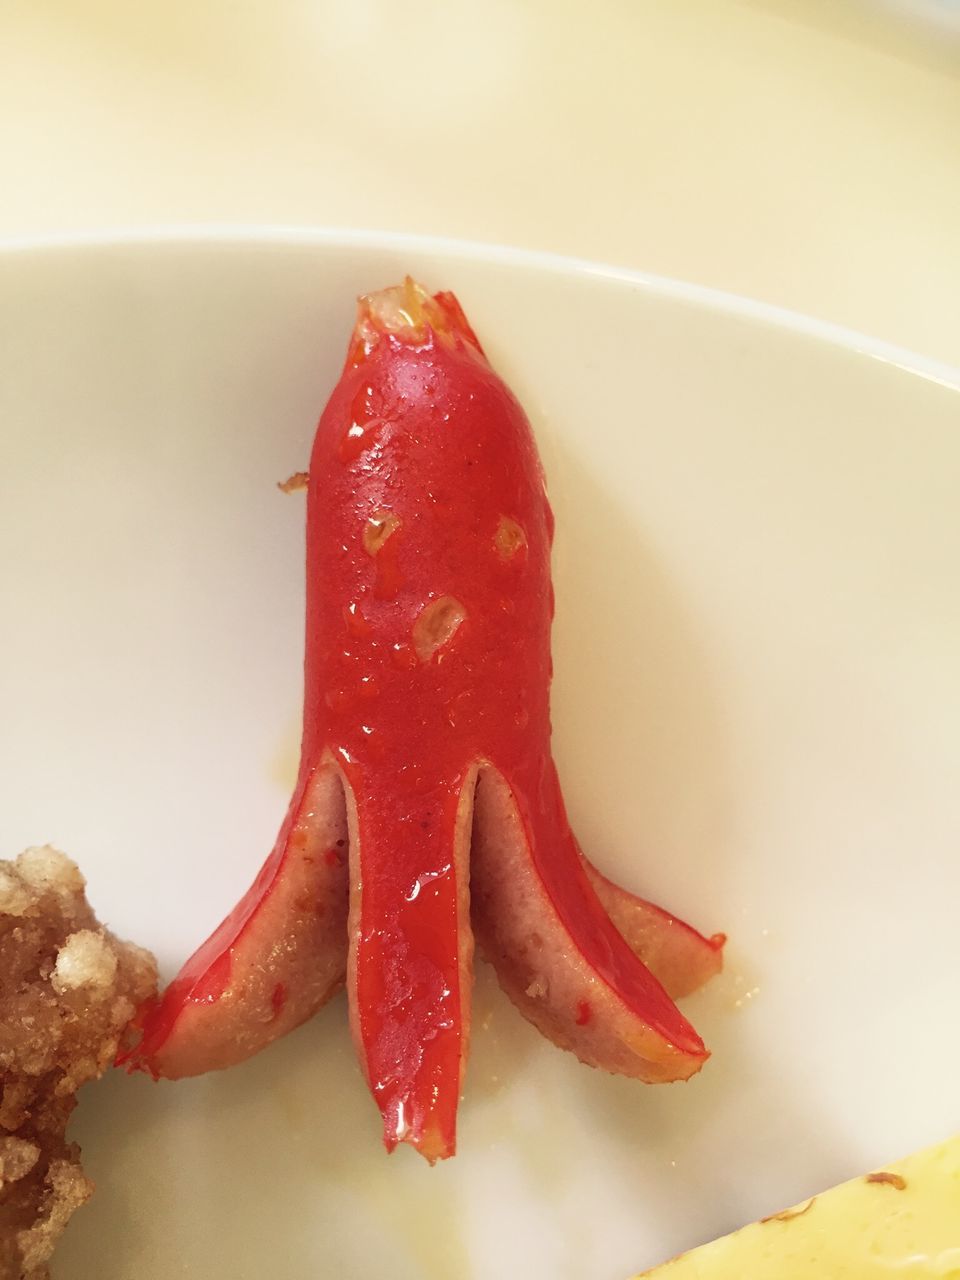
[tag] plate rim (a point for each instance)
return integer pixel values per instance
(705, 297)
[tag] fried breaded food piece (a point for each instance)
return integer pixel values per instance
(68, 989)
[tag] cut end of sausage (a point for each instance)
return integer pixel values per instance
(408, 314)
(430, 1138)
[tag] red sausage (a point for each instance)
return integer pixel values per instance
(426, 752)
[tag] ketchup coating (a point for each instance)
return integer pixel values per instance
(428, 615)
(427, 513)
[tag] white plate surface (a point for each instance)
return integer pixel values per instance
(757, 707)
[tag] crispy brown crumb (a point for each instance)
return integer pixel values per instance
(299, 480)
(888, 1179)
(68, 989)
(787, 1215)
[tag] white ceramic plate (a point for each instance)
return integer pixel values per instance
(757, 716)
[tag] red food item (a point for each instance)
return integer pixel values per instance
(426, 753)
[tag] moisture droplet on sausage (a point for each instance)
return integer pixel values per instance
(356, 623)
(369, 687)
(337, 699)
(403, 657)
(358, 437)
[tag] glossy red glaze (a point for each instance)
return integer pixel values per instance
(452, 467)
(429, 607)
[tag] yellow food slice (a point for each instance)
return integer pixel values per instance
(902, 1220)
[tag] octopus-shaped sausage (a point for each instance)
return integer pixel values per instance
(427, 810)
